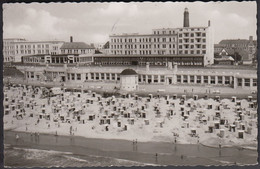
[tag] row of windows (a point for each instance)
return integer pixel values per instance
(135, 40)
(148, 78)
(33, 46)
(145, 52)
(147, 46)
(197, 40)
(193, 29)
(192, 46)
(246, 82)
(164, 32)
(192, 52)
(33, 52)
(8, 48)
(159, 32)
(213, 80)
(76, 51)
(197, 34)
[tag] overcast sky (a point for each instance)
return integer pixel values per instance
(94, 22)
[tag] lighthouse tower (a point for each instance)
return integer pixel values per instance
(186, 18)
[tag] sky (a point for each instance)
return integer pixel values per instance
(94, 22)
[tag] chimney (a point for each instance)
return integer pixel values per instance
(71, 38)
(250, 38)
(186, 18)
(208, 23)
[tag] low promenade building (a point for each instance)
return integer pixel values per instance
(234, 78)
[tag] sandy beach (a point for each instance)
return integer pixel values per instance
(160, 119)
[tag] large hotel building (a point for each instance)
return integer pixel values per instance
(187, 46)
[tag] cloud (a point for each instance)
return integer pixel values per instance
(39, 24)
(98, 38)
(119, 9)
(238, 20)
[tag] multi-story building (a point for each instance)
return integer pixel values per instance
(14, 49)
(9, 48)
(185, 46)
(36, 48)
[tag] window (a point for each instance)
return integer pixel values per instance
(219, 79)
(78, 76)
(86, 76)
(72, 76)
(212, 79)
(191, 79)
(247, 82)
(254, 82)
(108, 76)
(32, 75)
(92, 76)
(180, 35)
(227, 80)
(185, 79)
(178, 78)
(155, 80)
(97, 76)
(239, 82)
(198, 79)
(113, 76)
(162, 79)
(205, 79)
(144, 78)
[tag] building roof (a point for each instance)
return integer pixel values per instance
(76, 45)
(234, 41)
(128, 72)
(219, 46)
(106, 46)
(12, 72)
(225, 58)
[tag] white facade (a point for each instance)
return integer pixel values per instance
(129, 82)
(36, 48)
(9, 49)
(20, 47)
(188, 41)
